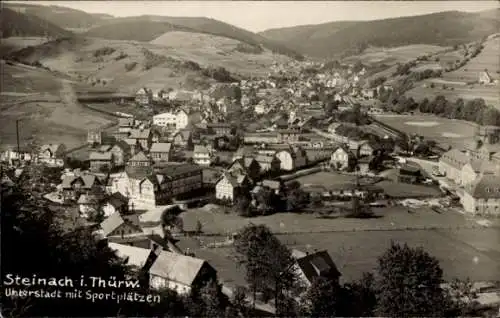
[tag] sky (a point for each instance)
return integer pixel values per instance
(258, 16)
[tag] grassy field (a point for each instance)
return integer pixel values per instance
(217, 222)
(463, 249)
(440, 130)
(79, 59)
(325, 179)
(395, 55)
(52, 114)
(456, 81)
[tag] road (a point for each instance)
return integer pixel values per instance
(228, 291)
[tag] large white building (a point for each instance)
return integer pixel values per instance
(175, 120)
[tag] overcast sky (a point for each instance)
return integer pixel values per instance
(261, 15)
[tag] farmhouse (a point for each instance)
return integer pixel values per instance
(292, 158)
(245, 166)
(268, 163)
(180, 272)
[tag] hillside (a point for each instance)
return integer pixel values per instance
(63, 17)
(16, 24)
(147, 28)
(348, 38)
(166, 63)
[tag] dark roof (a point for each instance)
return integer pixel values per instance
(176, 169)
(138, 172)
(409, 170)
(318, 264)
(484, 187)
(118, 200)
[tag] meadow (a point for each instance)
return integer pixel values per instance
(442, 130)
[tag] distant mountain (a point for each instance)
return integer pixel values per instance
(336, 39)
(63, 17)
(16, 24)
(148, 28)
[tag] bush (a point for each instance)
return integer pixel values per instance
(121, 56)
(130, 66)
(152, 59)
(248, 48)
(104, 51)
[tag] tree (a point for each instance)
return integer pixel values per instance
(361, 293)
(267, 261)
(199, 227)
(408, 283)
(320, 300)
(242, 206)
(212, 298)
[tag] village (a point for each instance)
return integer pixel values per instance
(160, 185)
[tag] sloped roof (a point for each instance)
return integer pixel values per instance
(484, 187)
(126, 122)
(312, 265)
(140, 133)
(136, 256)
(272, 184)
(455, 158)
(345, 149)
(265, 158)
(118, 200)
(111, 223)
(160, 147)
(87, 199)
(88, 180)
(200, 149)
(52, 147)
(177, 267)
(140, 156)
(102, 156)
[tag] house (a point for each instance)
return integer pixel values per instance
(409, 174)
(117, 202)
(183, 138)
(228, 187)
(342, 158)
(143, 137)
(484, 78)
(161, 151)
(138, 258)
(475, 168)
(268, 163)
(310, 266)
(22, 154)
(167, 120)
(179, 272)
(94, 137)
(177, 120)
(219, 128)
(52, 154)
(133, 145)
(202, 155)
(261, 108)
(126, 124)
(100, 160)
(288, 136)
(281, 123)
(482, 196)
(451, 164)
(182, 178)
(366, 149)
(292, 158)
(121, 153)
(121, 226)
(73, 186)
(139, 160)
(144, 96)
(245, 166)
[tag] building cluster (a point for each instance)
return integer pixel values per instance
(475, 172)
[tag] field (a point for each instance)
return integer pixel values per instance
(325, 179)
(355, 245)
(400, 54)
(12, 44)
(442, 130)
(109, 71)
(46, 106)
(456, 81)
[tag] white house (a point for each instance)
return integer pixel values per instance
(176, 120)
(202, 155)
(291, 159)
(179, 272)
(341, 158)
(228, 186)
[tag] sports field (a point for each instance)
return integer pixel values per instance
(442, 130)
